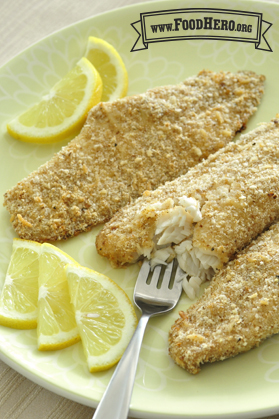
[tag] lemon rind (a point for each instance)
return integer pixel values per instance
(52, 343)
(17, 320)
(47, 247)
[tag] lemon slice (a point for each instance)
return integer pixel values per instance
(63, 111)
(104, 314)
(57, 328)
(19, 296)
(110, 66)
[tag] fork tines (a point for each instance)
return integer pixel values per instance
(163, 276)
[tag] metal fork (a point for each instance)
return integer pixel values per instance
(156, 292)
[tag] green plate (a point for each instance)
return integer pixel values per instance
(244, 387)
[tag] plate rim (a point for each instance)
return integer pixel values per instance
(69, 394)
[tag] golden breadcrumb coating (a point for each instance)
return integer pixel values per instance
(129, 146)
(236, 312)
(238, 192)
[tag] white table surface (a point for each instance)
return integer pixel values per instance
(22, 23)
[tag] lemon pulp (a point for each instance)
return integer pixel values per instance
(104, 314)
(63, 111)
(110, 66)
(57, 327)
(19, 296)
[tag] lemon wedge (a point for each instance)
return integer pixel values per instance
(104, 314)
(57, 328)
(63, 111)
(110, 66)
(19, 296)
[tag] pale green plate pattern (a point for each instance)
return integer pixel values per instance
(247, 386)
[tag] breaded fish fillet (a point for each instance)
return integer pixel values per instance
(236, 312)
(205, 216)
(129, 146)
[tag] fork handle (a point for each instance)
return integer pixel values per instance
(116, 399)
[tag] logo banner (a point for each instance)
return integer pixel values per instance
(201, 23)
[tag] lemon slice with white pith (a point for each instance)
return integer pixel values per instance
(19, 296)
(110, 66)
(63, 110)
(104, 314)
